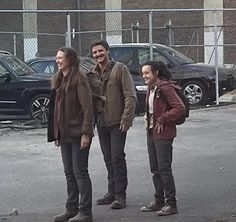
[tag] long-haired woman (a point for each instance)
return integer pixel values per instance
(71, 127)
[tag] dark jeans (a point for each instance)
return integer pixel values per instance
(112, 142)
(160, 159)
(79, 188)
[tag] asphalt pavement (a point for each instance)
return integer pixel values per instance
(32, 184)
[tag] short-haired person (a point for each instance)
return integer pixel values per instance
(70, 125)
(113, 124)
(163, 108)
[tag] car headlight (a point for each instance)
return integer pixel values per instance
(141, 88)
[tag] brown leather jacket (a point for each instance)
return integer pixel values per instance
(76, 113)
(167, 108)
(120, 95)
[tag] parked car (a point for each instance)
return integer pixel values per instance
(48, 65)
(196, 79)
(24, 92)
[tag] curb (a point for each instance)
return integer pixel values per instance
(229, 97)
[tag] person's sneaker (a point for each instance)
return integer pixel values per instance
(80, 217)
(65, 216)
(118, 203)
(107, 199)
(153, 206)
(167, 210)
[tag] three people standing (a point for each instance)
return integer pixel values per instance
(71, 122)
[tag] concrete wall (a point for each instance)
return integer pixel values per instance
(30, 26)
(210, 19)
(113, 22)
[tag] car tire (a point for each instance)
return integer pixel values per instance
(39, 108)
(196, 92)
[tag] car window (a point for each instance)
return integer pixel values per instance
(3, 73)
(178, 57)
(144, 55)
(19, 67)
(3, 70)
(44, 67)
(122, 54)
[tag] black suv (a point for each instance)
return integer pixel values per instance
(24, 91)
(24, 94)
(196, 79)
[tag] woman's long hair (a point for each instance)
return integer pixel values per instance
(163, 71)
(74, 74)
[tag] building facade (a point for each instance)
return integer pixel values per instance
(42, 33)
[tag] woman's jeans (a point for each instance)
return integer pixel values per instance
(160, 159)
(79, 188)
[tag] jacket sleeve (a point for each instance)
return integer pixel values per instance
(85, 98)
(175, 107)
(129, 96)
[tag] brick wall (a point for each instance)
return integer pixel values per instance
(180, 36)
(230, 32)
(11, 22)
(56, 23)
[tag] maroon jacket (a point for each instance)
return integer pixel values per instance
(167, 108)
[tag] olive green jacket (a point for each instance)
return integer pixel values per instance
(120, 95)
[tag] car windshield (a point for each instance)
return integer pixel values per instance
(177, 56)
(19, 67)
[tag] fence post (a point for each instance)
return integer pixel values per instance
(14, 44)
(137, 32)
(68, 33)
(216, 58)
(169, 25)
(132, 32)
(150, 35)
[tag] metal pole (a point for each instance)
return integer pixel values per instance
(216, 58)
(150, 35)
(14, 39)
(197, 44)
(132, 32)
(137, 32)
(68, 43)
(170, 31)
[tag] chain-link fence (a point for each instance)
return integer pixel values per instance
(34, 33)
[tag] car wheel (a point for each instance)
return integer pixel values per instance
(39, 108)
(196, 92)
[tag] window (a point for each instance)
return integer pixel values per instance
(122, 54)
(144, 55)
(44, 66)
(3, 72)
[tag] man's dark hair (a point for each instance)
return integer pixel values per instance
(100, 42)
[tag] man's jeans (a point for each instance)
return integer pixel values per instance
(79, 189)
(112, 142)
(160, 159)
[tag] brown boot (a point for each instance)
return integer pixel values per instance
(153, 206)
(119, 203)
(65, 216)
(107, 199)
(168, 209)
(80, 217)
